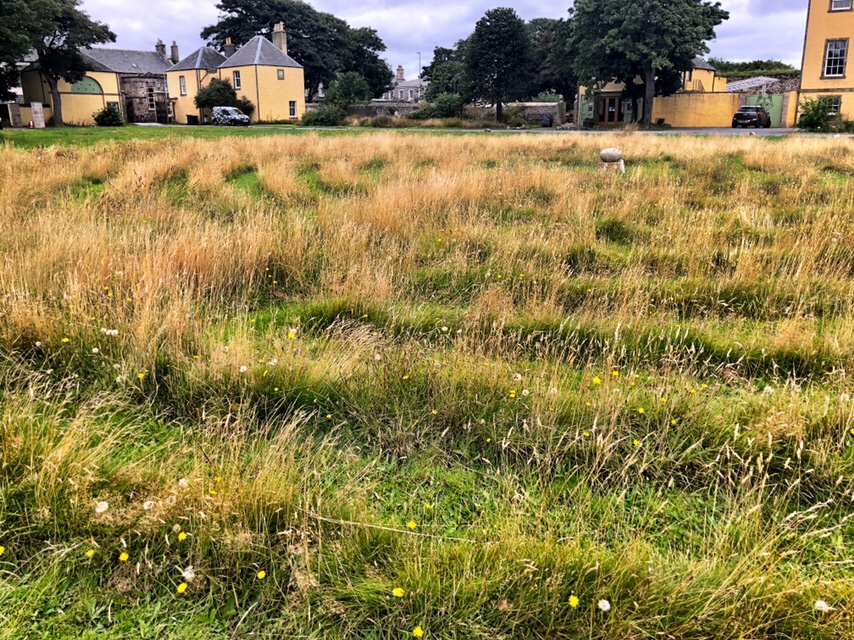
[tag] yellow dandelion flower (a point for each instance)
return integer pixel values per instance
(2, 550)
(90, 553)
(664, 400)
(406, 377)
(498, 276)
(636, 442)
(704, 386)
(435, 412)
(140, 375)
(182, 587)
(261, 574)
(397, 592)
(597, 380)
(182, 536)
(616, 374)
(586, 434)
(693, 391)
(588, 404)
(573, 601)
(291, 335)
(418, 632)
(213, 492)
(488, 440)
(641, 410)
(124, 557)
(428, 506)
(328, 416)
(66, 339)
(673, 422)
(411, 525)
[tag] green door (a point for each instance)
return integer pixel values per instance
(773, 105)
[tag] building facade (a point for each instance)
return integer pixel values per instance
(827, 47)
(404, 90)
(187, 78)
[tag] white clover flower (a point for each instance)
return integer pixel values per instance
(273, 362)
(183, 483)
(38, 343)
(821, 605)
(517, 377)
(244, 368)
(101, 507)
(444, 329)
(377, 357)
(525, 392)
(95, 350)
(188, 574)
(604, 605)
(148, 504)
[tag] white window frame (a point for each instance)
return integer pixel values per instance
(235, 77)
(840, 5)
(182, 85)
(292, 108)
(837, 63)
(152, 102)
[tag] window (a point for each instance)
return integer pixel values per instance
(236, 80)
(280, 73)
(840, 5)
(411, 94)
(152, 104)
(834, 58)
(833, 104)
(182, 82)
(292, 105)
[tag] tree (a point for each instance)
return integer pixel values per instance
(446, 73)
(498, 59)
(220, 93)
(323, 44)
(59, 55)
(551, 59)
(622, 39)
(348, 88)
(23, 23)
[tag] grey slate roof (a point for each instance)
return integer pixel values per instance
(699, 63)
(262, 52)
(204, 58)
(126, 61)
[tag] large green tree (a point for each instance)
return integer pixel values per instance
(553, 72)
(619, 39)
(323, 44)
(59, 55)
(498, 59)
(23, 24)
(446, 73)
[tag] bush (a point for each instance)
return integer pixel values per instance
(817, 115)
(448, 105)
(325, 116)
(109, 116)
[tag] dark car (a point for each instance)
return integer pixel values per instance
(751, 117)
(230, 116)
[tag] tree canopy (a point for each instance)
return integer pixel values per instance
(624, 39)
(498, 59)
(348, 88)
(23, 24)
(323, 44)
(220, 93)
(59, 57)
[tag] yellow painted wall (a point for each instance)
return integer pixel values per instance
(697, 109)
(824, 25)
(77, 108)
(703, 80)
(196, 79)
(271, 96)
(790, 109)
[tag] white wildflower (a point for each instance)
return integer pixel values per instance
(188, 574)
(183, 483)
(444, 329)
(844, 397)
(821, 605)
(101, 507)
(38, 343)
(525, 392)
(517, 377)
(244, 368)
(148, 504)
(273, 362)
(95, 350)
(604, 605)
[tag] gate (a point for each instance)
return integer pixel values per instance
(773, 104)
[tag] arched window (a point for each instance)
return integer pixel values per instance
(87, 85)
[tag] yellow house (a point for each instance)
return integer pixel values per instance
(133, 81)
(188, 77)
(263, 72)
(824, 70)
(703, 78)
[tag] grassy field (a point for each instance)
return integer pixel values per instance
(458, 387)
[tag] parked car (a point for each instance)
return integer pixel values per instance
(751, 117)
(230, 116)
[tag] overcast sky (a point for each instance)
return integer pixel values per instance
(757, 29)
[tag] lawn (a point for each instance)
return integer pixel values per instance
(461, 387)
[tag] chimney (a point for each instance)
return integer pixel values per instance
(175, 57)
(400, 77)
(228, 49)
(280, 38)
(160, 47)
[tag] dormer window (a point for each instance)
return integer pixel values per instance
(840, 5)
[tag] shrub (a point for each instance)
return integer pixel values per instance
(325, 116)
(817, 115)
(109, 116)
(448, 105)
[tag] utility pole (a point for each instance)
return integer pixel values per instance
(419, 65)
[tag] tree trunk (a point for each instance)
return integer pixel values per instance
(499, 111)
(56, 101)
(634, 109)
(649, 95)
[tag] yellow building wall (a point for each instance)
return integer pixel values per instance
(790, 109)
(824, 25)
(77, 108)
(705, 81)
(196, 79)
(271, 96)
(696, 109)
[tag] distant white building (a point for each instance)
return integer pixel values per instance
(404, 90)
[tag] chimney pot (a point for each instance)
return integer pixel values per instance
(400, 76)
(175, 57)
